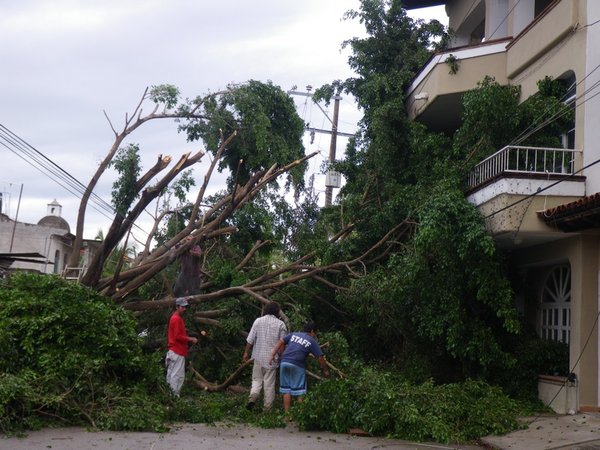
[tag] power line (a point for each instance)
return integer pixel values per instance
(535, 127)
(55, 172)
(45, 165)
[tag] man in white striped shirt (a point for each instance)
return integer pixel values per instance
(266, 331)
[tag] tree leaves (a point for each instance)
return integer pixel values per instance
(127, 164)
(269, 131)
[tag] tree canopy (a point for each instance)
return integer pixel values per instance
(444, 297)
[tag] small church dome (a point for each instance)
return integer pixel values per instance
(53, 218)
(55, 222)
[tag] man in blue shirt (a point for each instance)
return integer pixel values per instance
(292, 368)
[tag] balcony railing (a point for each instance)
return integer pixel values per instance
(524, 160)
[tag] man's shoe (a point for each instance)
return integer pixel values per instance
(250, 406)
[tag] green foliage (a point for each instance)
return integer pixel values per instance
(224, 274)
(490, 119)
(136, 411)
(446, 290)
(127, 163)
(269, 130)
(383, 405)
(534, 357)
(441, 305)
(182, 186)
(547, 112)
(164, 94)
(377, 163)
(68, 353)
(453, 64)
(254, 221)
(201, 408)
(493, 117)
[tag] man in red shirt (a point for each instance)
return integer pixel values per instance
(178, 342)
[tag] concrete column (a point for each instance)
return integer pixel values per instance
(584, 327)
(496, 19)
(521, 16)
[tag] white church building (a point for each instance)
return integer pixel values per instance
(50, 240)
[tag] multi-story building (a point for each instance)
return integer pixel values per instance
(541, 205)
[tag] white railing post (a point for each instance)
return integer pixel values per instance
(543, 161)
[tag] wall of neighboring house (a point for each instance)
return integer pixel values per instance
(466, 18)
(47, 241)
(523, 14)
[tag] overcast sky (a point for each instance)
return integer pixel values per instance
(65, 62)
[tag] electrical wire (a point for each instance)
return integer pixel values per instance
(535, 127)
(34, 157)
(56, 173)
(540, 190)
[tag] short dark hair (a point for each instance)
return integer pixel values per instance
(271, 308)
(310, 326)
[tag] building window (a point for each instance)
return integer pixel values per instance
(555, 309)
(56, 261)
(540, 6)
(568, 138)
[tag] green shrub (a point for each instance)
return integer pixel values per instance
(70, 355)
(534, 356)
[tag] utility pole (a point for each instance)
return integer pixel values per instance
(333, 178)
(329, 183)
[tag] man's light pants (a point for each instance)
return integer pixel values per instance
(262, 377)
(175, 371)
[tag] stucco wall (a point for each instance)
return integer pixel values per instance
(581, 252)
(33, 238)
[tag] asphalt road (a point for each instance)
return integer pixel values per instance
(199, 436)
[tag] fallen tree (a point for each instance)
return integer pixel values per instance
(251, 129)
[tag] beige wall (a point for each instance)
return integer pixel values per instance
(545, 38)
(521, 218)
(582, 254)
(568, 54)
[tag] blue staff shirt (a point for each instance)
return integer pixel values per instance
(297, 347)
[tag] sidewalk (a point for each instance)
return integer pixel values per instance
(579, 431)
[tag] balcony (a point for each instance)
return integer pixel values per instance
(435, 95)
(511, 185)
(527, 161)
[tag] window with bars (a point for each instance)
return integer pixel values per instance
(555, 308)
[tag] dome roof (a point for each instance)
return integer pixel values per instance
(55, 222)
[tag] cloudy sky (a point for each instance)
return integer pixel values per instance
(65, 62)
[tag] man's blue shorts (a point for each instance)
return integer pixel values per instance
(292, 379)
